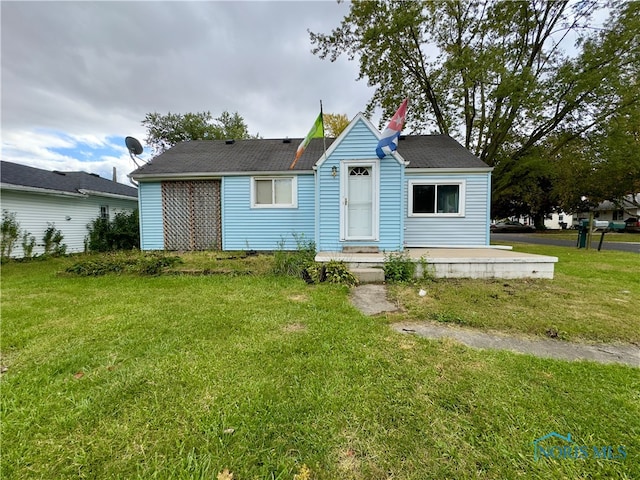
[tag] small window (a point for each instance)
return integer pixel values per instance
(276, 192)
(104, 212)
(427, 199)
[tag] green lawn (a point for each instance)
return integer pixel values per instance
(627, 237)
(594, 296)
(184, 376)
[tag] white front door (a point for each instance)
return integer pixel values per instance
(359, 203)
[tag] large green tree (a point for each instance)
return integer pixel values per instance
(164, 131)
(603, 165)
(496, 75)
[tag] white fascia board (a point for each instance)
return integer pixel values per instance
(106, 194)
(42, 191)
(422, 171)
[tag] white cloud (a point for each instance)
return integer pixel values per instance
(83, 72)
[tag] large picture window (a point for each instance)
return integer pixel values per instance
(273, 192)
(436, 199)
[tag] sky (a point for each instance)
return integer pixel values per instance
(78, 77)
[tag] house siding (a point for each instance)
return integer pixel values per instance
(245, 228)
(151, 228)
(470, 230)
(360, 144)
(34, 212)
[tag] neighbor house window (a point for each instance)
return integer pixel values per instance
(273, 192)
(436, 199)
(104, 212)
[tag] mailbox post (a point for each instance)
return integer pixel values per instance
(586, 229)
(583, 226)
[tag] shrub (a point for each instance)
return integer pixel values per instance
(337, 272)
(99, 230)
(121, 233)
(428, 271)
(125, 231)
(294, 262)
(10, 233)
(154, 264)
(149, 264)
(52, 240)
(28, 244)
(398, 267)
(315, 272)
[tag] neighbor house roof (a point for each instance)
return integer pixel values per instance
(22, 177)
(629, 201)
(219, 157)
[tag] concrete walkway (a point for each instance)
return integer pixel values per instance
(556, 349)
(372, 300)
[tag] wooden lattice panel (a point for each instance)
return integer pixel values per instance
(191, 215)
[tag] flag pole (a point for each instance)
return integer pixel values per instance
(324, 137)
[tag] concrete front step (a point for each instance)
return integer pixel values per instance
(455, 263)
(368, 275)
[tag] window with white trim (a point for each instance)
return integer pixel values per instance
(273, 192)
(104, 212)
(428, 199)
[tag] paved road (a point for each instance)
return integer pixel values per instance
(549, 240)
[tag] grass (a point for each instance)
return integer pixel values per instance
(573, 235)
(183, 376)
(593, 297)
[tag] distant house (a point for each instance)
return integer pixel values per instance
(610, 211)
(236, 195)
(558, 220)
(69, 200)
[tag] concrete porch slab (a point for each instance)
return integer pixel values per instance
(459, 262)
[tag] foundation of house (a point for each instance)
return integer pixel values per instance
(451, 263)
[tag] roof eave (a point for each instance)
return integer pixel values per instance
(108, 194)
(213, 175)
(41, 191)
(450, 170)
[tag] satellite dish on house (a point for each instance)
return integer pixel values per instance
(134, 146)
(135, 149)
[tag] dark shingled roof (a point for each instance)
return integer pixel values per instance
(436, 151)
(273, 155)
(21, 175)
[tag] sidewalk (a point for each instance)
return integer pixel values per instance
(372, 299)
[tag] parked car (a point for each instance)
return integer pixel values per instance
(509, 226)
(632, 224)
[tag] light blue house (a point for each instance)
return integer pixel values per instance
(241, 195)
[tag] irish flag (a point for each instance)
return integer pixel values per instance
(317, 131)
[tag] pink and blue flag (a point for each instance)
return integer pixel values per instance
(389, 141)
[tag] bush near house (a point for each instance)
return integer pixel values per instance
(10, 229)
(121, 233)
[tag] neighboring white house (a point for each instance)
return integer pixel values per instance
(68, 200)
(609, 211)
(558, 221)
